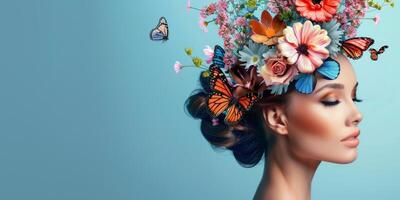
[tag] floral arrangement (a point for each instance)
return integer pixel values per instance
(268, 44)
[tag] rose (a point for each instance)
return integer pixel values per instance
(277, 66)
(276, 71)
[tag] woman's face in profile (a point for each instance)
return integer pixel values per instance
(319, 122)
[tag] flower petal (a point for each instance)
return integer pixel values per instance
(304, 64)
(290, 36)
(259, 38)
(266, 18)
(257, 27)
(297, 31)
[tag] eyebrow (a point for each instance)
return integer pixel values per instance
(334, 86)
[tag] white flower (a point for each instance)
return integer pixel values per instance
(177, 67)
(209, 52)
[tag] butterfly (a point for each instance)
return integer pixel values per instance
(354, 47)
(329, 70)
(161, 31)
(218, 58)
(222, 98)
(375, 53)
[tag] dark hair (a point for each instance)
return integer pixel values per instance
(247, 140)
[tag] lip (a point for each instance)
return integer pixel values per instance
(352, 139)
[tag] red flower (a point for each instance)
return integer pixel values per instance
(317, 10)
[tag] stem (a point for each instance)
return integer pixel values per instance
(211, 20)
(195, 8)
(201, 67)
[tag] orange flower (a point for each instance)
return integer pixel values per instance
(317, 10)
(268, 30)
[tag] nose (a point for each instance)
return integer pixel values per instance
(355, 116)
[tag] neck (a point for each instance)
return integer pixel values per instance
(286, 175)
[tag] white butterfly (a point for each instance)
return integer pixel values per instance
(160, 32)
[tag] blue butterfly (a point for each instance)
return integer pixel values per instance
(218, 58)
(160, 32)
(329, 70)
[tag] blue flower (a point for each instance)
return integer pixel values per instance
(279, 89)
(253, 54)
(335, 34)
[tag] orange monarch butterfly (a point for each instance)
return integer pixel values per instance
(354, 47)
(222, 98)
(375, 53)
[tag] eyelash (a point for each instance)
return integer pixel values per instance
(333, 103)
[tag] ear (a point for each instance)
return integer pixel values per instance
(275, 118)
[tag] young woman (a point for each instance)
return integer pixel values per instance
(294, 132)
(282, 89)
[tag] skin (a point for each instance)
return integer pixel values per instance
(309, 131)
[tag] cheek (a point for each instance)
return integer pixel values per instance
(314, 130)
(313, 120)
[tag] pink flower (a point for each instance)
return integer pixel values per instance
(351, 31)
(211, 9)
(203, 13)
(377, 19)
(229, 59)
(240, 21)
(304, 45)
(188, 5)
(177, 67)
(203, 24)
(209, 52)
(272, 7)
(276, 71)
(215, 122)
(221, 5)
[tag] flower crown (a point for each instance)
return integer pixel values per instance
(291, 42)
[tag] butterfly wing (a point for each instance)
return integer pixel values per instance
(354, 47)
(246, 102)
(374, 54)
(382, 49)
(221, 95)
(305, 83)
(163, 27)
(236, 110)
(160, 32)
(217, 103)
(156, 35)
(233, 115)
(218, 58)
(329, 69)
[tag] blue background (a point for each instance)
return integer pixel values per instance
(90, 108)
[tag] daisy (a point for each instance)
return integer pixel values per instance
(335, 33)
(304, 45)
(177, 67)
(188, 6)
(317, 10)
(253, 54)
(376, 19)
(203, 24)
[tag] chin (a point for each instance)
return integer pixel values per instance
(346, 157)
